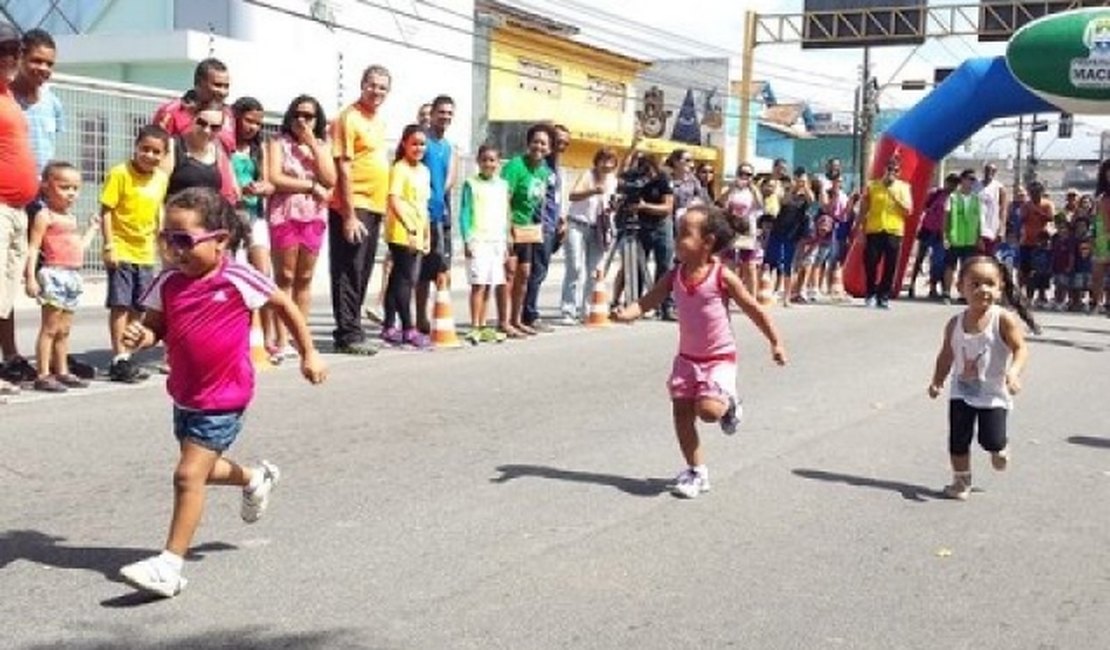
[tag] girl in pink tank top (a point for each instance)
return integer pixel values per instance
(56, 285)
(703, 377)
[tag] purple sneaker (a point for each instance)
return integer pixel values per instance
(392, 336)
(418, 340)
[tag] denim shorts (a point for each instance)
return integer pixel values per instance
(214, 430)
(60, 288)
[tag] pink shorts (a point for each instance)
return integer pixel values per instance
(702, 379)
(308, 235)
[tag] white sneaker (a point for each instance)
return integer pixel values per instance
(568, 321)
(154, 575)
(255, 502)
(960, 488)
(730, 421)
(689, 484)
(1001, 459)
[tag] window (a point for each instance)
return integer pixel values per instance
(92, 156)
(605, 93)
(539, 77)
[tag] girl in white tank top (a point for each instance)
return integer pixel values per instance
(983, 354)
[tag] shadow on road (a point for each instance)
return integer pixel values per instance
(1070, 328)
(908, 491)
(47, 550)
(646, 487)
(1066, 343)
(249, 638)
(1090, 441)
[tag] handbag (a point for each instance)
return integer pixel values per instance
(530, 234)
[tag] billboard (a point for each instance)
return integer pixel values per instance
(855, 23)
(999, 19)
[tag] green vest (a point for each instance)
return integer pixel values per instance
(963, 220)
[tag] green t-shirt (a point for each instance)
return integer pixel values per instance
(963, 219)
(242, 165)
(527, 189)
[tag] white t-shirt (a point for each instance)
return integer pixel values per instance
(990, 216)
(587, 210)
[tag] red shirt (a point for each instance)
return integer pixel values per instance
(19, 183)
(177, 118)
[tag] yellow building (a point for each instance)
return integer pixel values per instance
(538, 73)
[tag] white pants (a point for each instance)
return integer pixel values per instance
(582, 251)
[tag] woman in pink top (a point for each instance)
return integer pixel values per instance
(744, 206)
(201, 307)
(703, 378)
(303, 174)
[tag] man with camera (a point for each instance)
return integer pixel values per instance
(646, 206)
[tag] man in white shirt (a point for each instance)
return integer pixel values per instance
(992, 198)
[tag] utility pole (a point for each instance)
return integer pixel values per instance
(1018, 170)
(866, 116)
(751, 19)
(1032, 160)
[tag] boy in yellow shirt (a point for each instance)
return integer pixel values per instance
(130, 213)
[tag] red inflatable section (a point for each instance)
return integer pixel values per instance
(917, 170)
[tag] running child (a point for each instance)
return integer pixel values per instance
(57, 284)
(408, 236)
(703, 378)
(984, 351)
(201, 308)
(130, 211)
(484, 222)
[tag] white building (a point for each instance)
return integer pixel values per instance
(275, 49)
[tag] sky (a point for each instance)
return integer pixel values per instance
(825, 78)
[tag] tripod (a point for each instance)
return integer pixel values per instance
(634, 270)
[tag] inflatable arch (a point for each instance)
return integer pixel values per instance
(977, 92)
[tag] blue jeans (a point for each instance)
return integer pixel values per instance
(541, 259)
(582, 254)
(657, 241)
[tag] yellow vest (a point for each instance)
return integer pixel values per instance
(884, 214)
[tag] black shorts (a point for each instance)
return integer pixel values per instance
(962, 418)
(525, 252)
(957, 254)
(1025, 259)
(438, 258)
(127, 283)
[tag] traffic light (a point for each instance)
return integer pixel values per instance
(1064, 129)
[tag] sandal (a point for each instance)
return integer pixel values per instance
(70, 380)
(49, 385)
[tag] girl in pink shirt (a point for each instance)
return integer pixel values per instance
(201, 308)
(703, 378)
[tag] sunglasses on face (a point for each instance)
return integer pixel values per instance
(208, 126)
(184, 240)
(304, 115)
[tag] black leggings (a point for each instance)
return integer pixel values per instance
(881, 247)
(398, 293)
(961, 427)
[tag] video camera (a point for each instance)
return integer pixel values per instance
(630, 191)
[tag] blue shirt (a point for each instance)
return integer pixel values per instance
(437, 158)
(553, 200)
(44, 123)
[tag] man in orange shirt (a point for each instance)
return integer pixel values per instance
(1036, 214)
(18, 186)
(358, 204)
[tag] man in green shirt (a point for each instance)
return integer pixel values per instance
(961, 228)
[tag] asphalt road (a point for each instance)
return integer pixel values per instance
(513, 496)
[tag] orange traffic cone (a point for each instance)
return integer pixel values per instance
(259, 356)
(443, 322)
(597, 314)
(765, 295)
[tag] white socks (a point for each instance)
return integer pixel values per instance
(257, 476)
(175, 561)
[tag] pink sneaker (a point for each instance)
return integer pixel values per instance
(417, 340)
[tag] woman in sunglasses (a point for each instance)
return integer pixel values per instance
(303, 173)
(743, 204)
(196, 158)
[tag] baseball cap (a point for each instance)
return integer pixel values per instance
(8, 32)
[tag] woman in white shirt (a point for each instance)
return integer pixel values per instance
(586, 233)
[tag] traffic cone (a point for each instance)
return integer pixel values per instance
(765, 295)
(597, 314)
(260, 358)
(443, 322)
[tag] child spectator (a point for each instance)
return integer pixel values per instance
(484, 225)
(703, 377)
(984, 351)
(130, 209)
(408, 237)
(201, 308)
(57, 284)
(815, 256)
(1081, 274)
(1063, 261)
